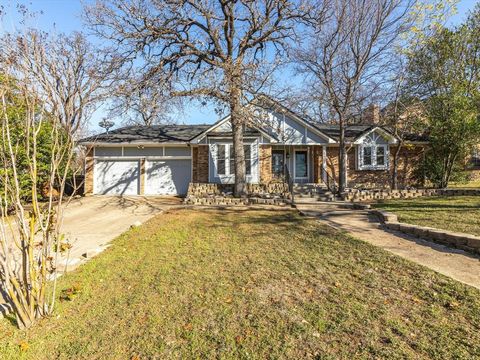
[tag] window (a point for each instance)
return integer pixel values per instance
(221, 160)
(232, 160)
(277, 163)
(225, 156)
(248, 159)
(475, 160)
(373, 157)
(367, 156)
(372, 152)
(380, 156)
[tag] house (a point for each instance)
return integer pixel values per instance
(164, 159)
(472, 164)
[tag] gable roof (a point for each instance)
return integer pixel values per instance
(136, 134)
(220, 122)
(162, 134)
(312, 126)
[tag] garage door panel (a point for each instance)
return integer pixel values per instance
(167, 177)
(116, 177)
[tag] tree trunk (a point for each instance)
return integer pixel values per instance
(238, 150)
(342, 160)
(395, 167)
(448, 172)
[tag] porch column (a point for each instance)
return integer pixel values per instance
(324, 163)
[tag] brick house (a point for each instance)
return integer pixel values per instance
(164, 159)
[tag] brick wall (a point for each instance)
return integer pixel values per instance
(265, 158)
(88, 186)
(409, 158)
(200, 164)
(317, 164)
(332, 162)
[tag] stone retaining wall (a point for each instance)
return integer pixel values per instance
(222, 194)
(208, 189)
(467, 242)
(368, 195)
(230, 201)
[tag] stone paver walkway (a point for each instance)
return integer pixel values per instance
(454, 263)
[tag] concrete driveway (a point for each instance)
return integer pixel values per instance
(90, 223)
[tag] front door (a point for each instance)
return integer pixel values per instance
(301, 165)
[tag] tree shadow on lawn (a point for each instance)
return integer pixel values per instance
(283, 219)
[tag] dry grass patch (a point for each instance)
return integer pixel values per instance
(251, 284)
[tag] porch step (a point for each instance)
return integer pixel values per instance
(312, 193)
(308, 187)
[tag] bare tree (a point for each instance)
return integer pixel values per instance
(348, 54)
(57, 81)
(30, 231)
(218, 49)
(405, 116)
(144, 102)
(65, 71)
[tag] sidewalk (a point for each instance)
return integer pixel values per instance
(457, 264)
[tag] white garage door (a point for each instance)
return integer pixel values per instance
(116, 177)
(167, 177)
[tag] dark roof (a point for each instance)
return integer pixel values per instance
(155, 133)
(353, 132)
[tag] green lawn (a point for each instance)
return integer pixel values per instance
(251, 285)
(453, 213)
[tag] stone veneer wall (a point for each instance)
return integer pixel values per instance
(369, 195)
(88, 185)
(200, 163)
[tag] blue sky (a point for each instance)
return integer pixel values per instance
(65, 16)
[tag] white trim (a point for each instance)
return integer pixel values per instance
(386, 135)
(229, 176)
(324, 163)
(191, 163)
(299, 119)
(119, 158)
(204, 133)
(373, 155)
(295, 177)
(134, 144)
(223, 137)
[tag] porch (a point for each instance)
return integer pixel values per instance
(306, 164)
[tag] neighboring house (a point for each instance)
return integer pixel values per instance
(472, 164)
(164, 159)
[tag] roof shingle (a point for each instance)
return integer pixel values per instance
(155, 134)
